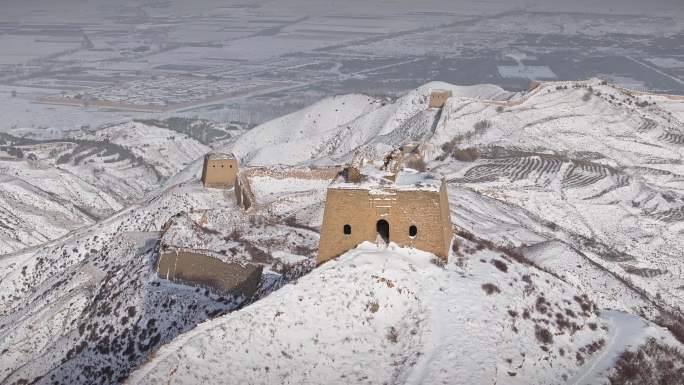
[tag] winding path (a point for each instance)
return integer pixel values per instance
(628, 331)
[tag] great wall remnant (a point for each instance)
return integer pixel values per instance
(189, 254)
(194, 268)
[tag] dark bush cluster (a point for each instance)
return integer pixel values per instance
(491, 288)
(652, 363)
(469, 154)
(500, 265)
(543, 335)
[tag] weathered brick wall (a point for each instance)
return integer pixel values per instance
(427, 210)
(196, 269)
(294, 172)
(243, 192)
(244, 195)
(447, 227)
(219, 172)
(438, 98)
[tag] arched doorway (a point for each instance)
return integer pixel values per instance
(383, 230)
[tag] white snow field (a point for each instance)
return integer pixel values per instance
(390, 315)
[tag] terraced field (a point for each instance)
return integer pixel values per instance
(672, 137)
(542, 170)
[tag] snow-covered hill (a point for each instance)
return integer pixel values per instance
(574, 190)
(380, 315)
(51, 187)
(594, 166)
(332, 129)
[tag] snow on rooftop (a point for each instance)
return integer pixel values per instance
(406, 179)
(220, 156)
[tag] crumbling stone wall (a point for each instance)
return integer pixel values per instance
(196, 269)
(361, 209)
(295, 172)
(243, 192)
(244, 195)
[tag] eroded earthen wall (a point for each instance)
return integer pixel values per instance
(219, 172)
(427, 210)
(197, 269)
(439, 98)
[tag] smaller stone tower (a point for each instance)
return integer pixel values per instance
(438, 98)
(219, 170)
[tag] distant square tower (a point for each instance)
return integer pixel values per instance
(411, 210)
(438, 98)
(219, 170)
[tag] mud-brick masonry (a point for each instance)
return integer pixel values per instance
(195, 268)
(188, 254)
(220, 170)
(438, 98)
(409, 208)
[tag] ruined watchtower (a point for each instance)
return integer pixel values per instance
(219, 170)
(409, 208)
(438, 98)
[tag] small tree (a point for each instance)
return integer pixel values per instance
(482, 125)
(417, 163)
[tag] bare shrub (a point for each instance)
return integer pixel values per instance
(499, 109)
(482, 125)
(469, 154)
(652, 363)
(543, 335)
(373, 306)
(449, 146)
(490, 288)
(439, 262)
(586, 97)
(416, 163)
(256, 253)
(673, 322)
(393, 335)
(542, 304)
(585, 303)
(500, 265)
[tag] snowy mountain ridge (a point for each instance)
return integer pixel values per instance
(566, 203)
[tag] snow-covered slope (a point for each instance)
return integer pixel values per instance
(51, 187)
(167, 151)
(88, 308)
(380, 315)
(598, 165)
(332, 129)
